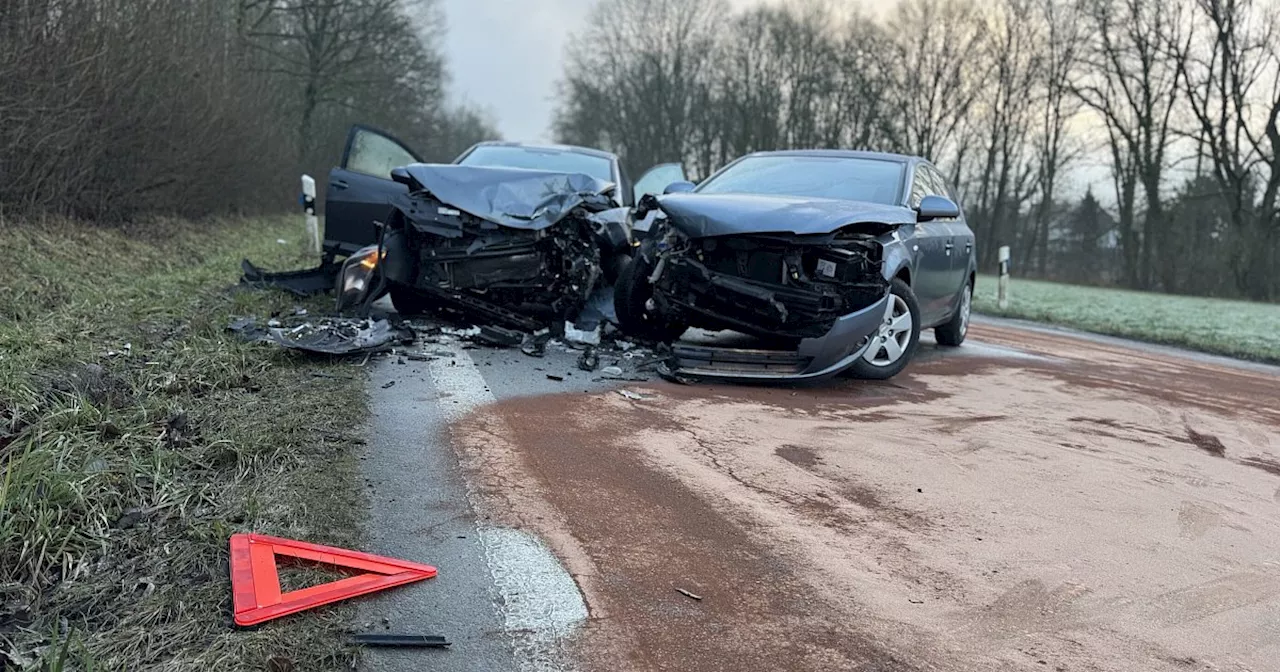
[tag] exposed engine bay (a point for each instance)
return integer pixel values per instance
(515, 247)
(771, 285)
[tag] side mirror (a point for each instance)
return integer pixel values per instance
(680, 187)
(936, 207)
(402, 176)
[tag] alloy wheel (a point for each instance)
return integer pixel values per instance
(892, 340)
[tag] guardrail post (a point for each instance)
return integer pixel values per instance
(309, 212)
(1002, 298)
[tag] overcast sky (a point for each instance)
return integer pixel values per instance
(506, 55)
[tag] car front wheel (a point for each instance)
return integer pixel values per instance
(894, 343)
(633, 301)
(408, 302)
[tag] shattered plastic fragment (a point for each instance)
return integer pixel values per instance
(574, 335)
(332, 336)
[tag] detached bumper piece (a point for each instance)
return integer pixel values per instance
(303, 283)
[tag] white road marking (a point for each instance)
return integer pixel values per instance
(540, 603)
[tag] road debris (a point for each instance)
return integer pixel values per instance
(535, 344)
(611, 371)
(499, 337)
(634, 396)
(388, 384)
(552, 376)
(589, 360)
(303, 283)
(688, 594)
(420, 641)
(330, 335)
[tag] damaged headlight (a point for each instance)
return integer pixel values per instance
(357, 274)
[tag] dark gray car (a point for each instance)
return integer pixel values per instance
(835, 260)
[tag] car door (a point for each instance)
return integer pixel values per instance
(932, 254)
(656, 179)
(962, 244)
(360, 188)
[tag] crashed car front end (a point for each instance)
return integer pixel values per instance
(514, 247)
(816, 298)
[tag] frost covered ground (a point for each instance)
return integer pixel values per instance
(1234, 328)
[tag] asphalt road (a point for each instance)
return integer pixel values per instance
(1037, 499)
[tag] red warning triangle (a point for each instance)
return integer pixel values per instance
(255, 584)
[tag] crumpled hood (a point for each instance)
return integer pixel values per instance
(513, 197)
(706, 215)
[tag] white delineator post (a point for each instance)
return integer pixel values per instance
(309, 212)
(1002, 297)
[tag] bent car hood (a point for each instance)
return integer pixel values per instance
(706, 215)
(513, 197)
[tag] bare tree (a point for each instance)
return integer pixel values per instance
(1134, 87)
(1004, 116)
(1231, 78)
(937, 77)
(114, 108)
(1062, 35)
(634, 74)
(341, 51)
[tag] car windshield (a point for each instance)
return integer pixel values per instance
(555, 160)
(835, 177)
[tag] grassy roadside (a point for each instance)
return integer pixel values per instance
(136, 435)
(1234, 328)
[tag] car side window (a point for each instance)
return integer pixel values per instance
(939, 187)
(919, 186)
(937, 183)
(376, 155)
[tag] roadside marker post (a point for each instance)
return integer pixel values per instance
(1002, 299)
(255, 582)
(309, 212)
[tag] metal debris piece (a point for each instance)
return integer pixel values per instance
(378, 639)
(461, 333)
(330, 336)
(388, 384)
(688, 594)
(552, 376)
(623, 379)
(611, 371)
(634, 396)
(535, 344)
(589, 360)
(500, 337)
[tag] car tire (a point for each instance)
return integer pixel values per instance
(952, 333)
(631, 297)
(884, 360)
(408, 302)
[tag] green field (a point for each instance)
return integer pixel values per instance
(1234, 328)
(136, 435)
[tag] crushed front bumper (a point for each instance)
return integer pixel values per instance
(814, 358)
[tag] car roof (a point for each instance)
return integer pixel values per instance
(845, 154)
(563, 148)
